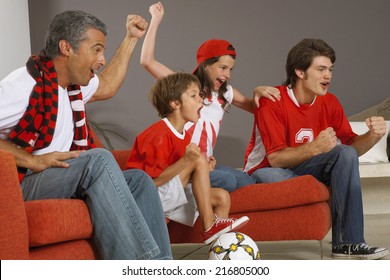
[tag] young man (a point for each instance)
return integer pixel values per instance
(308, 133)
(177, 166)
(42, 108)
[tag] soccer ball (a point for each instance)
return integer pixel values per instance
(234, 246)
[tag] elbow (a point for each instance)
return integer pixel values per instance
(145, 62)
(157, 182)
(274, 162)
(147, 66)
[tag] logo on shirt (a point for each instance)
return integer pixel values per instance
(304, 135)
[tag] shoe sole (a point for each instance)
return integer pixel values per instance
(375, 256)
(239, 223)
(218, 234)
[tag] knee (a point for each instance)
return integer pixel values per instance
(99, 154)
(97, 160)
(347, 153)
(202, 162)
(220, 197)
(272, 174)
(224, 180)
(140, 178)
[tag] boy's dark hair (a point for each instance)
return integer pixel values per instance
(170, 88)
(70, 26)
(301, 56)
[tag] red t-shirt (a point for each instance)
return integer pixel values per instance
(286, 124)
(157, 147)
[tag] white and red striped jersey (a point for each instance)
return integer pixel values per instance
(205, 131)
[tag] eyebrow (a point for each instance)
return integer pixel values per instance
(324, 66)
(99, 45)
(225, 65)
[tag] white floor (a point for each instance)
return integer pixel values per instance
(377, 233)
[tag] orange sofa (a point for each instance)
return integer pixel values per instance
(297, 209)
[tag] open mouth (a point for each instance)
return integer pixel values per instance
(325, 84)
(219, 82)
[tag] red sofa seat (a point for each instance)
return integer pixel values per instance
(296, 209)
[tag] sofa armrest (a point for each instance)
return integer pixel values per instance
(13, 219)
(121, 157)
(373, 170)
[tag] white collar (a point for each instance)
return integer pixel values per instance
(174, 131)
(293, 99)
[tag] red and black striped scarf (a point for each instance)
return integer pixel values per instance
(36, 128)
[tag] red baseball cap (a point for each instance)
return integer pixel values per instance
(213, 48)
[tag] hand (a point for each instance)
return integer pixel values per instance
(212, 163)
(192, 152)
(54, 159)
(376, 125)
(271, 93)
(157, 12)
(326, 140)
(136, 26)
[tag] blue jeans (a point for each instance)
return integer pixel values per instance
(229, 178)
(125, 209)
(338, 169)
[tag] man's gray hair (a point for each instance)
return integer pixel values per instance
(70, 26)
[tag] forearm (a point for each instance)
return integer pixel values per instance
(291, 157)
(113, 75)
(170, 172)
(148, 46)
(148, 61)
(247, 104)
(365, 142)
(23, 158)
(243, 102)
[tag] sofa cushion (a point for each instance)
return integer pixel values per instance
(57, 220)
(70, 250)
(302, 190)
(295, 209)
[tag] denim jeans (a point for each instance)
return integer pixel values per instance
(229, 178)
(125, 209)
(339, 169)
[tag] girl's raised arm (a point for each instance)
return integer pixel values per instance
(154, 67)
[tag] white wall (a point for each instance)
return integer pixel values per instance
(15, 35)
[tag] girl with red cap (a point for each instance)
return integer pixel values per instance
(216, 59)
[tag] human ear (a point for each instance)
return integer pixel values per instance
(175, 104)
(300, 73)
(65, 47)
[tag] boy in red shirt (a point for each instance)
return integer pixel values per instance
(176, 166)
(307, 132)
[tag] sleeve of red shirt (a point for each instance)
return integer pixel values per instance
(151, 156)
(270, 120)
